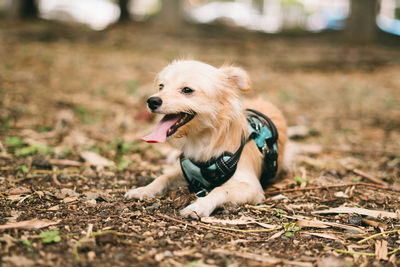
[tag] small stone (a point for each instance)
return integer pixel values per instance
(41, 163)
(209, 236)
(168, 253)
(354, 219)
(104, 213)
(91, 255)
(108, 238)
(155, 206)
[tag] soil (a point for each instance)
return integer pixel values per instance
(65, 90)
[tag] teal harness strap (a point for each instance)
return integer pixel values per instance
(202, 177)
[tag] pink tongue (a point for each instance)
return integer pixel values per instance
(159, 134)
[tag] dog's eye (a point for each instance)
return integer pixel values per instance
(160, 86)
(187, 90)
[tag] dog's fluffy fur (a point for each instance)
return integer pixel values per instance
(217, 127)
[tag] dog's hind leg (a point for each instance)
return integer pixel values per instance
(236, 190)
(157, 187)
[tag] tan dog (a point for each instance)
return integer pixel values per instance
(204, 118)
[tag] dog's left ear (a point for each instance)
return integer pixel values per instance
(238, 77)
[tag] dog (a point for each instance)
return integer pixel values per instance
(205, 119)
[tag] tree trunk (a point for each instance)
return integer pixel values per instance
(361, 23)
(24, 9)
(171, 13)
(124, 8)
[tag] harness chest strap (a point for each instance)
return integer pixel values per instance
(202, 177)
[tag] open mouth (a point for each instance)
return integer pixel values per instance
(168, 125)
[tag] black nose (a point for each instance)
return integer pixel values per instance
(154, 102)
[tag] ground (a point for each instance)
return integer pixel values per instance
(72, 110)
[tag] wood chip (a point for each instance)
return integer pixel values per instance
(360, 211)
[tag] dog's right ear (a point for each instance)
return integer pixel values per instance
(238, 77)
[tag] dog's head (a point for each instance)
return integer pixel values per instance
(195, 96)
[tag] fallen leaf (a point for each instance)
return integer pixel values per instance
(69, 199)
(66, 192)
(276, 235)
(327, 236)
(375, 223)
(19, 191)
(278, 197)
(29, 224)
(95, 159)
(381, 250)
(312, 224)
(360, 211)
(56, 207)
(242, 221)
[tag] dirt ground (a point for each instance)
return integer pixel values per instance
(72, 110)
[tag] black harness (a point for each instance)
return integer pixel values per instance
(202, 177)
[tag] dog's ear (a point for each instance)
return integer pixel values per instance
(238, 77)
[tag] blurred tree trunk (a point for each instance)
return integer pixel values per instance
(171, 13)
(361, 24)
(124, 8)
(24, 9)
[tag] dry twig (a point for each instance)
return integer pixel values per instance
(331, 186)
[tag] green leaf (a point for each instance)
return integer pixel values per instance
(50, 236)
(299, 181)
(34, 149)
(14, 141)
(123, 164)
(22, 168)
(25, 151)
(288, 234)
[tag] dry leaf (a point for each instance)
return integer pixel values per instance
(278, 197)
(312, 224)
(360, 211)
(30, 224)
(381, 250)
(19, 191)
(327, 236)
(56, 207)
(95, 159)
(69, 199)
(375, 223)
(242, 221)
(276, 235)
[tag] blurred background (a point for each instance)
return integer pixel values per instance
(271, 16)
(74, 75)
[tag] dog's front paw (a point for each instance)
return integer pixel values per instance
(139, 193)
(196, 210)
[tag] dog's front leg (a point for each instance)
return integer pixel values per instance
(235, 190)
(156, 187)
